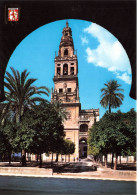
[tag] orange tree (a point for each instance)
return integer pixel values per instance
(114, 133)
(40, 130)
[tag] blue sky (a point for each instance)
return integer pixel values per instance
(100, 58)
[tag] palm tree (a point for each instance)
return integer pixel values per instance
(21, 94)
(111, 97)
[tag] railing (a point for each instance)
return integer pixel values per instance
(66, 76)
(83, 133)
(82, 118)
(65, 58)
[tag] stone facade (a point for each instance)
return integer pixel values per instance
(66, 90)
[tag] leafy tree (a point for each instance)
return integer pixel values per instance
(20, 94)
(111, 97)
(92, 150)
(98, 140)
(59, 108)
(6, 142)
(64, 147)
(68, 147)
(41, 130)
(113, 134)
(129, 119)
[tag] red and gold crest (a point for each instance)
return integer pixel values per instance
(13, 14)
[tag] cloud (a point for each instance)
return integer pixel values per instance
(125, 77)
(109, 54)
(84, 40)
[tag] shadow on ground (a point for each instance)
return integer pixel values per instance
(71, 167)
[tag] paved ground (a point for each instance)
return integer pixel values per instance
(84, 169)
(24, 186)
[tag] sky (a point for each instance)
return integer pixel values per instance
(101, 58)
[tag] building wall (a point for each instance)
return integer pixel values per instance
(70, 84)
(73, 118)
(73, 135)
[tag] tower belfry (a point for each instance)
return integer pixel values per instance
(66, 70)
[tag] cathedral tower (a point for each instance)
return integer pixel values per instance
(66, 87)
(66, 90)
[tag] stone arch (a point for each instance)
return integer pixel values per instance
(83, 147)
(35, 22)
(66, 52)
(65, 69)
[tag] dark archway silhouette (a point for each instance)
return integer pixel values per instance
(83, 148)
(118, 17)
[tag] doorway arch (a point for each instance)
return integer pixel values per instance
(83, 148)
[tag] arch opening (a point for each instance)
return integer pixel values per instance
(65, 69)
(65, 52)
(83, 148)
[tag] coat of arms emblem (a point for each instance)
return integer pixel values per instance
(13, 14)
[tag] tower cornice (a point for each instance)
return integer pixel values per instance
(67, 58)
(65, 78)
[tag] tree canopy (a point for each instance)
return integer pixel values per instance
(42, 128)
(115, 132)
(21, 94)
(59, 108)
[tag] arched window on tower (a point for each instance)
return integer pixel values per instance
(58, 70)
(65, 69)
(65, 52)
(66, 33)
(72, 70)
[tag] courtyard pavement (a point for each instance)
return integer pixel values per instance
(83, 170)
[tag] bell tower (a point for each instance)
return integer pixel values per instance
(66, 69)
(66, 88)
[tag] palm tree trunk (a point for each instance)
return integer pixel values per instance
(109, 108)
(17, 115)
